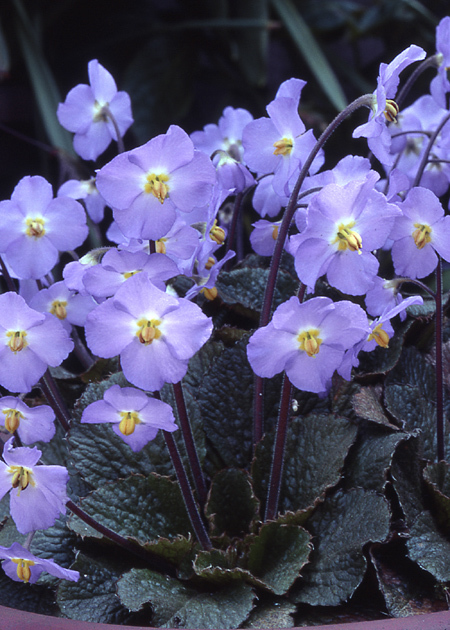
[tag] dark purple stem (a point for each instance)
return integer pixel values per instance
(141, 552)
(186, 491)
(439, 367)
(363, 101)
(197, 473)
(279, 451)
(53, 395)
(426, 155)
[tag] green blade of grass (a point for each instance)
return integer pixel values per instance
(311, 51)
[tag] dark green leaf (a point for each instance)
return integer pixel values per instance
(30, 597)
(382, 360)
(219, 567)
(316, 447)
(139, 507)
(277, 614)
(367, 405)
(341, 526)
(278, 554)
(437, 478)
(93, 597)
(428, 547)
(232, 506)
(55, 543)
(406, 475)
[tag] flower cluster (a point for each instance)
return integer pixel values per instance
(143, 304)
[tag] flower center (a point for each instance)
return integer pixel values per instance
(275, 232)
(35, 228)
(21, 477)
(283, 146)
(380, 336)
(101, 111)
(391, 111)
(160, 246)
(12, 419)
(346, 238)
(23, 568)
(59, 309)
(217, 234)
(157, 186)
(128, 274)
(17, 341)
(148, 330)
(421, 235)
(309, 341)
(129, 421)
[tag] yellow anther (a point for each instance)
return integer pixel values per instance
(157, 186)
(35, 228)
(21, 477)
(17, 341)
(59, 309)
(309, 341)
(148, 330)
(275, 231)
(346, 238)
(12, 419)
(23, 568)
(210, 294)
(160, 246)
(283, 146)
(217, 234)
(129, 421)
(210, 263)
(391, 111)
(421, 235)
(380, 336)
(129, 274)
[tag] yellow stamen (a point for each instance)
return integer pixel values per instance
(21, 477)
(128, 274)
(148, 330)
(210, 263)
(59, 309)
(17, 341)
(35, 228)
(217, 234)
(129, 421)
(157, 186)
(160, 246)
(12, 419)
(275, 232)
(346, 238)
(391, 111)
(310, 341)
(380, 336)
(421, 236)
(210, 294)
(23, 568)
(283, 146)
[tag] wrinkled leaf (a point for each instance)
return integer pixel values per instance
(437, 478)
(429, 548)
(367, 405)
(341, 526)
(406, 475)
(277, 614)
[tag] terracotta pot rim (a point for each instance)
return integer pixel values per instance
(11, 619)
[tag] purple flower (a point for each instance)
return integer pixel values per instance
(31, 342)
(33, 424)
(89, 111)
(154, 333)
(135, 417)
(37, 493)
(440, 85)
(307, 341)
(420, 234)
(34, 227)
(86, 190)
(22, 566)
(384, 108)
(69, 307)
(264, 236)
(344, 225)
(380, 331)
(146, 186)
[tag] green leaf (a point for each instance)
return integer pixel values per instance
(410, 397)
(316, 447)
(220, 567)
(55, 543)
(278, 554)
(371, 459)
(367, 405)
(382, 360)
(176, 605)
(341, 526)
(429, 548)
(138, 507)
(93, 597)
(311, 51)
(30, 597)
(276, 614)
(232, 507)
(179, 551)
(437, 478)
(406, 475)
